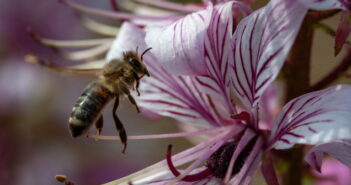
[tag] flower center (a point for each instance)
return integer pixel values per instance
(219, 161)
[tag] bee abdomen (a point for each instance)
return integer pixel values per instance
(88, 108)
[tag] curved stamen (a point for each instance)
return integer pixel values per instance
(98, 27)
(52, 66)
(189, 178)
(86, 54)
(116, 15)
(67, 43)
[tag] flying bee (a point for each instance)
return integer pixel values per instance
(116, 79)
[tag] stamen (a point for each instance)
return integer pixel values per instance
(229, 134)
(170, 5)
(115, 15)
(87, 53)
(189, 178)
(214, 107)
(243, 143)
(49, 65)
(67, 43)
(161, 136)
(99, 28)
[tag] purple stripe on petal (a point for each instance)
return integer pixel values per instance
(218, 52)
(260, 45)
(178, 45)
(320, 116)
(175, 96)
(312, 130)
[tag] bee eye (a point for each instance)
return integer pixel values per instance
(135, 63)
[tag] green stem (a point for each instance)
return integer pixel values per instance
(297, 75)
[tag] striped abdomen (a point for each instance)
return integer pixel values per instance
(88, 107)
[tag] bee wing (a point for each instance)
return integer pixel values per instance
(90, 68)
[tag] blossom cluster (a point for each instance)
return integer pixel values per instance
(204, 55)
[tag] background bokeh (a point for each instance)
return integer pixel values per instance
(35, 104)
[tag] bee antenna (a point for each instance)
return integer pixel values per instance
(136, 50)
(148, 49)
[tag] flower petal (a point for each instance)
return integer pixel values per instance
(340, 150)
(176, 96)
(261, 43)
(327, 4)
(269, 106)
(128, 39)
(218, 52)
(314, 118)
(179, 46)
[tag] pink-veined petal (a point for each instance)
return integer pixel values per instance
(261, 43)
(314, 118)
(327, 4)
(340, 150)
(164, 93)
(218, 52)
(179, 46)
(343, 31)
(179, 97)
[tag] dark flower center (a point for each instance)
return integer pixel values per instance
(219, 161)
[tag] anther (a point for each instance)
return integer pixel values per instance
(63, 179)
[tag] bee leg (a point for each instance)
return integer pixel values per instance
(137, 88)
(99, 124)
(131, 99)
(119, 125)
(137, 83)
(126, 91)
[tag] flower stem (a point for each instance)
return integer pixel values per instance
(335, 73)
(297, 75)
(297, 67)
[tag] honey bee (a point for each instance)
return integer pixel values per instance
(116, 79)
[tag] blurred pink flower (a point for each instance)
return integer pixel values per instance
(333, 173)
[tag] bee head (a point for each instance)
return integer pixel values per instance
(136, 62)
